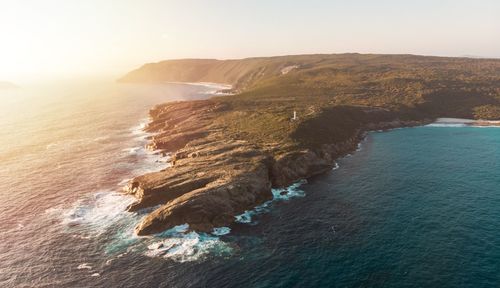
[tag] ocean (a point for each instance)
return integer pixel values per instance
(413, 207)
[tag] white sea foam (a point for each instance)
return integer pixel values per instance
(289, 192)
(359, 147)
(133, 150)
(151, 162)
(139, 129)
(104, 212)
(245, 217)
(219, 231)
(181, 246)
(97, 212)
(279, 194)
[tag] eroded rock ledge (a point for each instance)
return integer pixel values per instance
(215, 176)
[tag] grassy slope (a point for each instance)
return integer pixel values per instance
(331, 92)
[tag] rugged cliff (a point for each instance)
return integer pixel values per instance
(215, 175)
(228, 152)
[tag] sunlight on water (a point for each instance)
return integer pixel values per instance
(76, 145)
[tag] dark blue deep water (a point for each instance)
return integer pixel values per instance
(415, 207)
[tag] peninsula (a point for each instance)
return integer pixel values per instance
(289, 118)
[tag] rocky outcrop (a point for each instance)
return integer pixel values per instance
(211, 178)
(290, 167)
(214, 177)
(209, 183)
(303, 164)
(213, 205)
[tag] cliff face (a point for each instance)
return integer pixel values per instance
(228, 152)
(215, 176)
(212, 178)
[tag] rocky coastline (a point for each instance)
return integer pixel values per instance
(215, 176)
(227, 153)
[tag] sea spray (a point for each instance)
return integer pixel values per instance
(151, 160)
(279, 194)
(103, 214)
(181, 245)
(219, 231)
(94, 214)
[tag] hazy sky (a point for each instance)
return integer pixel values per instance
(44, 39)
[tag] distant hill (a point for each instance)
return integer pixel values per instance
(239, 73)
(7, 85)
(426, 85)
(289, 119)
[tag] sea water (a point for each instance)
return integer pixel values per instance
(413, 207)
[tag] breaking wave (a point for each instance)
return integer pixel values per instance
(279, 194)
(181, 245)
(94, 214)
(103, 214)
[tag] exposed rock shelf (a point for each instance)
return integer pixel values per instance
(227, 152)
(214, 175)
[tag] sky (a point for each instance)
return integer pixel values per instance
(63, 39)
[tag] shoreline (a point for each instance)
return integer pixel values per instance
(466, 122)
(204, 84)
(215, 177)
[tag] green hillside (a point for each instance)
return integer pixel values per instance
(332, 93)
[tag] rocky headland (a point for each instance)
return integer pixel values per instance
(215, 176)
(227, 153)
